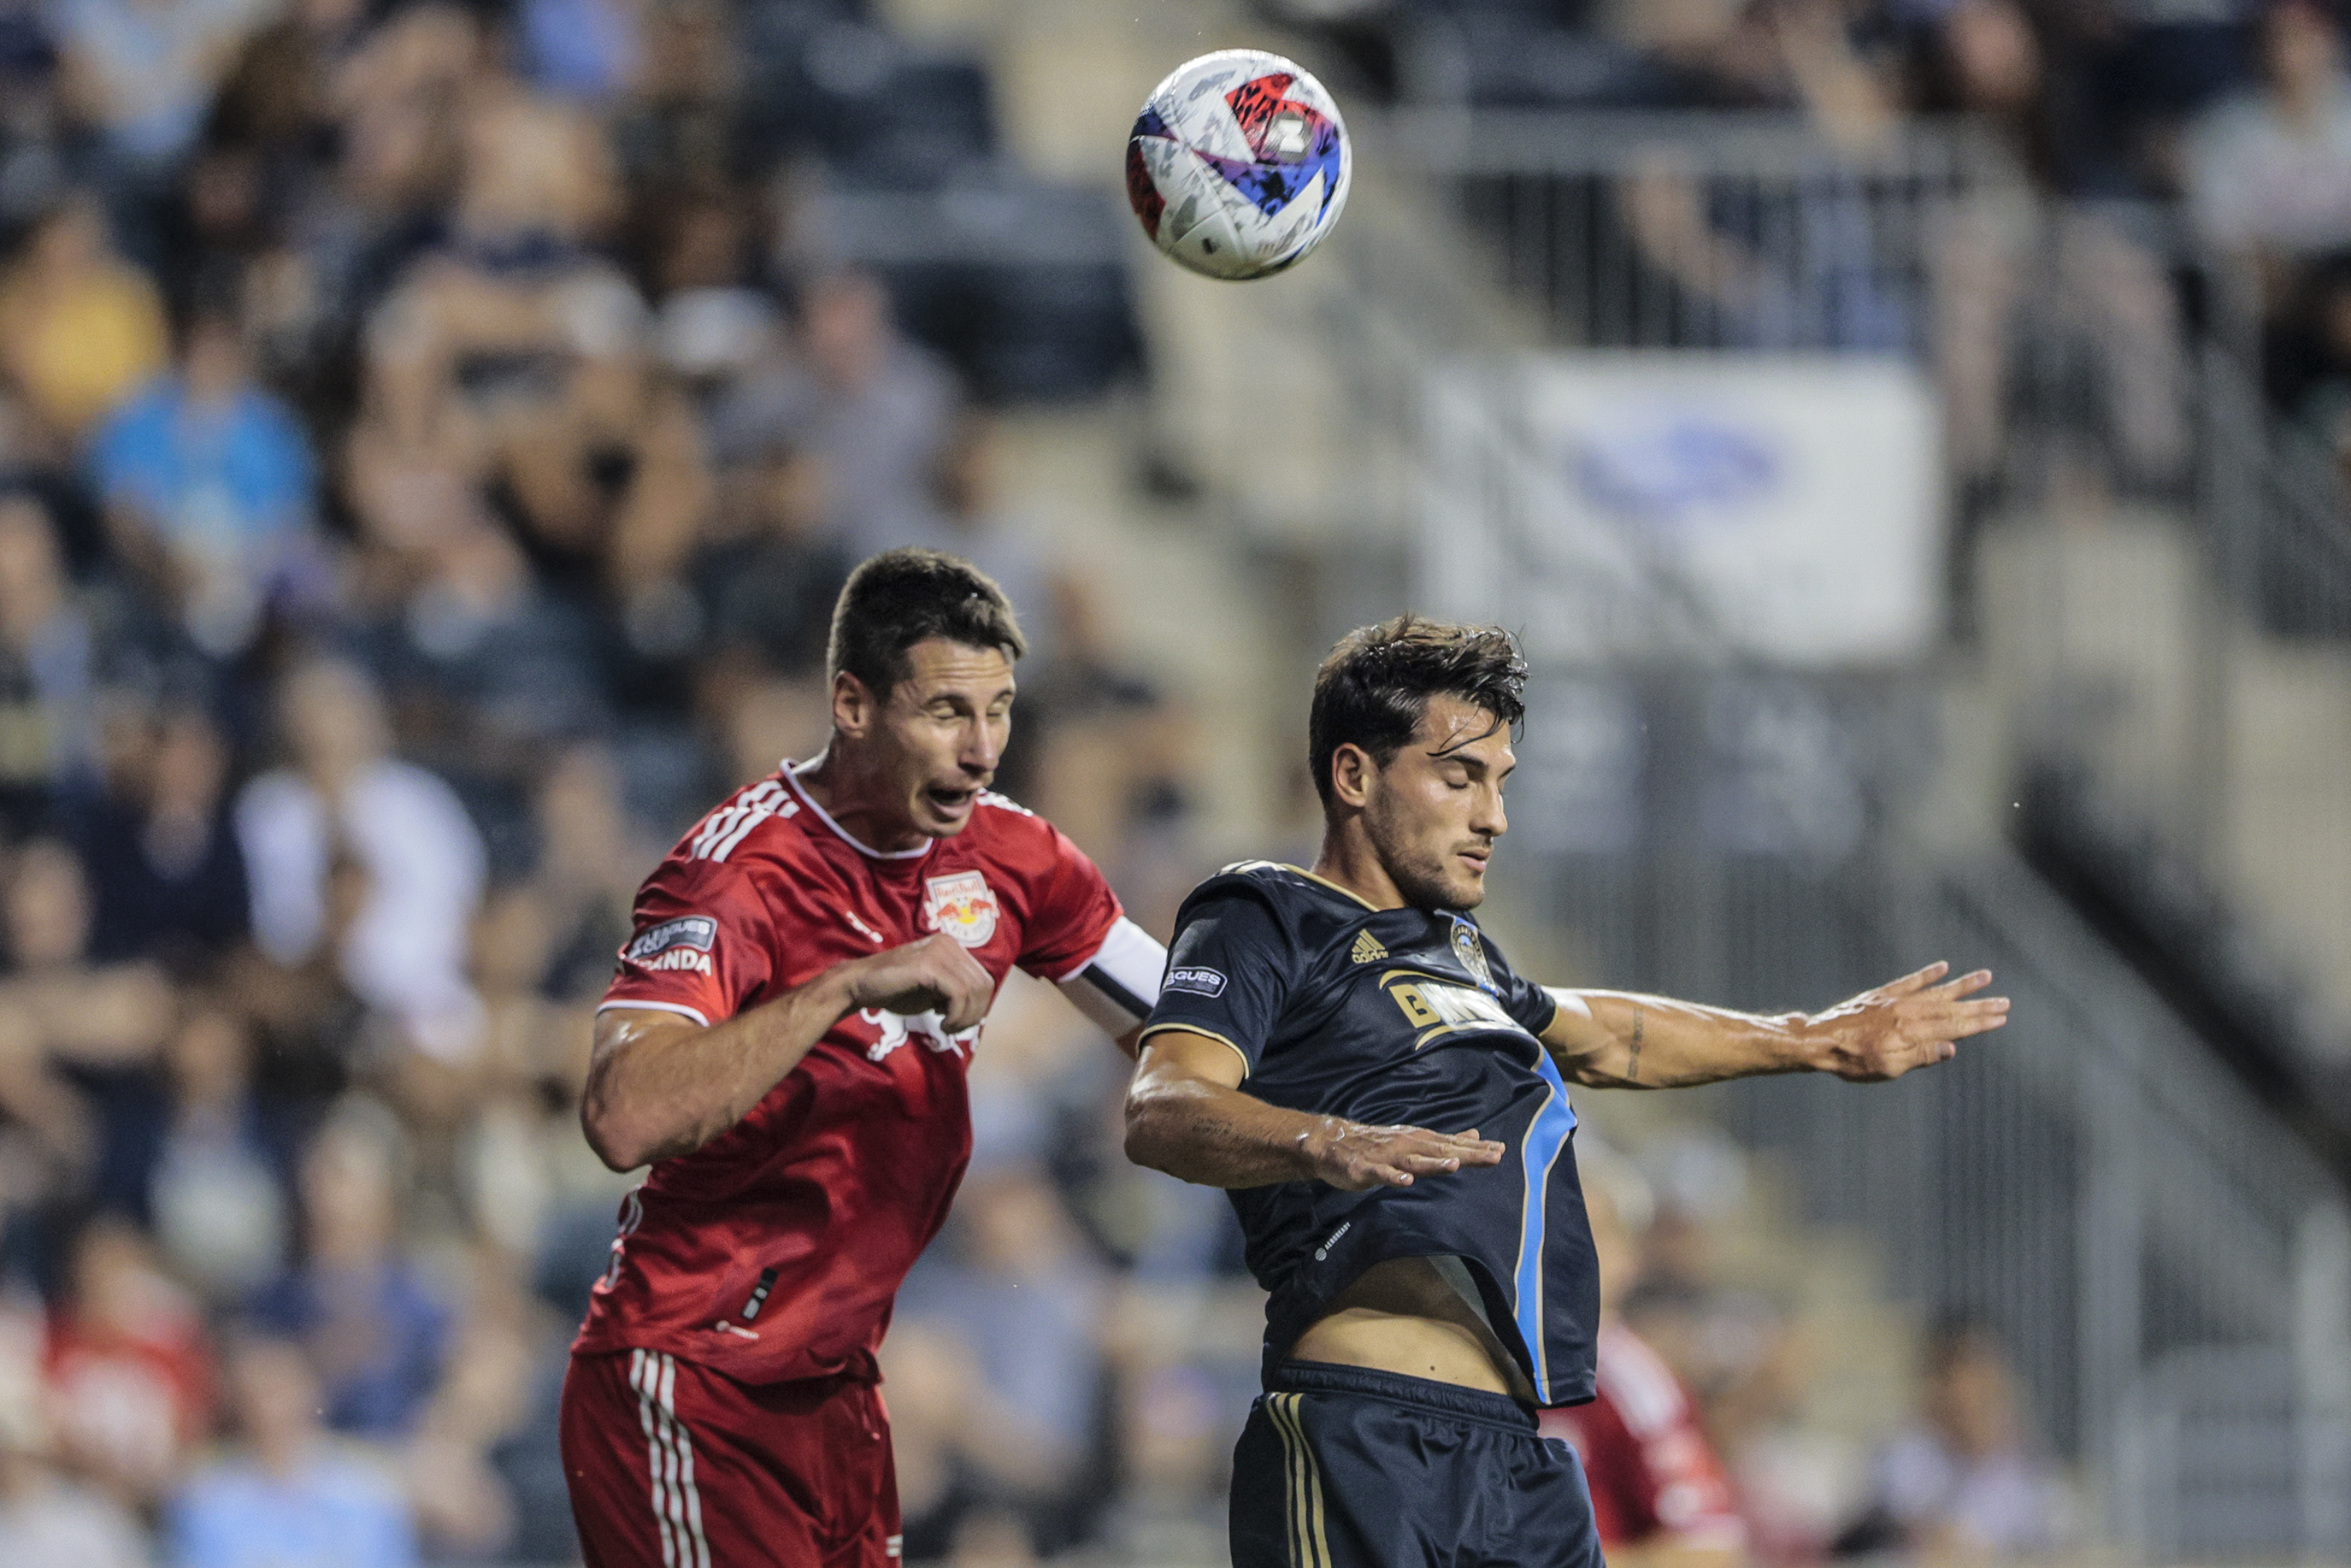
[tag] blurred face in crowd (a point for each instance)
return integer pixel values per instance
(1971, 1397)
(32, 579)
(1434, 812)
(1617, 1247)
(276, 1397)
(512, 944)
(49, 906)
(581, 822)
(1014, 1222)
(786, 494)
(208, 1057)
(334, 720)
(848, 329)
(189, 766)
(116, 1286)
(70, 243)
(1995, 57)
(2301, 48)
(348, 1198)
(933, 744)
(214, 366)
(967, 478)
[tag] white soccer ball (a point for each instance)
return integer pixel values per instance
(1239, 164)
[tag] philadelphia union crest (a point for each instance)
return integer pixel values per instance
(1470, 948)
(962, 905)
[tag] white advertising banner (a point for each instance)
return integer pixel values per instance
(1785, 508)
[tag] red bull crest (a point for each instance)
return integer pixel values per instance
(962, 905)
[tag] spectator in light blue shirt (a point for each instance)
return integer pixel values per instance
(288, 1497)
(209, 487)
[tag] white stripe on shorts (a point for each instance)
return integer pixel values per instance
(677, 1503)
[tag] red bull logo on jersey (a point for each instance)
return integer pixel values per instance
(895, 1030)
(962, 905)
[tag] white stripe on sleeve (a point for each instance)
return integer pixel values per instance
(1115, 987)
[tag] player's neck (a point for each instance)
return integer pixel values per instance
(859, 799)
(1350, 861)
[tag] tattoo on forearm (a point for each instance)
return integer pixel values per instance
(1633, 1068)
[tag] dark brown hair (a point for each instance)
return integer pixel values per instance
(901, 597)
(1375, 686)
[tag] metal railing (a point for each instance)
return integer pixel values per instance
(2158, 1249)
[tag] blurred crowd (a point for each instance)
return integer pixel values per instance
(2167, 133)
(1708, 1445)
(426, 468)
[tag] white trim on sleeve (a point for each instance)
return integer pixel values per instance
(1116, 986)
(694, 1013)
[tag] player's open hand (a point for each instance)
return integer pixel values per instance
(1353, 1157)
(1910, 1022)
(936, 975)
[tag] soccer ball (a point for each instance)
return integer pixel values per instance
(1239, 164)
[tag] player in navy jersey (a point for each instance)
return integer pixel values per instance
(785, 1042)
(1387, 1102)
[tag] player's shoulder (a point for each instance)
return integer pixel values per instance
(758, 824)
(1004, 831)
(1306, 908)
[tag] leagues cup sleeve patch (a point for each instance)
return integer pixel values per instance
(962, 905)
(1201, 982)
(683, 943)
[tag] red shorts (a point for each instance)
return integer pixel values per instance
(673, 1466)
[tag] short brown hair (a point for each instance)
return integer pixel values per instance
(1375, 686)
(901, 597)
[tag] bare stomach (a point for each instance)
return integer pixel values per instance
(1401, 1316)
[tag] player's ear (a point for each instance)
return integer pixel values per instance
(1351, 771)
(854, 710)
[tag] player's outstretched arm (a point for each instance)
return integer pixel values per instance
(1617, 1039)
(1186, 1115)
(660, 1084)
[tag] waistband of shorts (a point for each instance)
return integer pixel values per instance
(1395, 1388)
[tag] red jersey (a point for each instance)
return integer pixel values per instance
(773, 1253)
(1654, 1477)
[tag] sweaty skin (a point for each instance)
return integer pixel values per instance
(1419, 832)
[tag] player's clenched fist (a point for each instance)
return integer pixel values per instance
(1353, 1157)
(936, 975)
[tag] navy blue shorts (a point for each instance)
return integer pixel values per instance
(1343, 1468)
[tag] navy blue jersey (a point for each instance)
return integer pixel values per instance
(1383, 1017)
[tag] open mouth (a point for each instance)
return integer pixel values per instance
(951, 802)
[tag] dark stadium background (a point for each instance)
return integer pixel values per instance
(431, 435)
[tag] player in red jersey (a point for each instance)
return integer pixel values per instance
(1660, 1496)
(785, 1043)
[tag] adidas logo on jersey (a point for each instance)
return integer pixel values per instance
(1367, 949)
